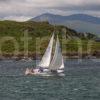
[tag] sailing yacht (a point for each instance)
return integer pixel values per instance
(48, 65)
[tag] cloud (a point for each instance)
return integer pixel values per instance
(31, 8)
(80, 7)
(17, 18)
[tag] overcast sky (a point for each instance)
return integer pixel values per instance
(22, 10)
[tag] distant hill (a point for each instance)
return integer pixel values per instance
(79, 22)
(40, 33)
(38, 29)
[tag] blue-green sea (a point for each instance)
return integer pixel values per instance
(81, 81)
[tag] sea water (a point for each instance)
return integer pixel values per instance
(81, 81)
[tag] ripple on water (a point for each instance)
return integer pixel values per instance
(81, 82)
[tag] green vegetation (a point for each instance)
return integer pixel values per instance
(12, 33)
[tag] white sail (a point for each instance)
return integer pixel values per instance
(62, 65)
(47, 56)
(57, 61)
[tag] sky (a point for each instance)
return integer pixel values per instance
(22, 10)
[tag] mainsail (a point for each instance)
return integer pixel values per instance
(47, 56)
(57, 61)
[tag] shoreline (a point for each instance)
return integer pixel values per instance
(39, 56)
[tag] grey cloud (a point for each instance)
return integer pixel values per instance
(79, 8)
(3, 0)
(32, 7)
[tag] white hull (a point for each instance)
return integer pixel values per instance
(45, 73)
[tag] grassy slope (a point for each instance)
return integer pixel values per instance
(41, 31)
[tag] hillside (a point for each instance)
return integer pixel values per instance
(40, 32)
(75, 21)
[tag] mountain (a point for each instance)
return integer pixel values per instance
(79, 22)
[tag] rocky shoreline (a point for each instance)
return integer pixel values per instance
(95, 55)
